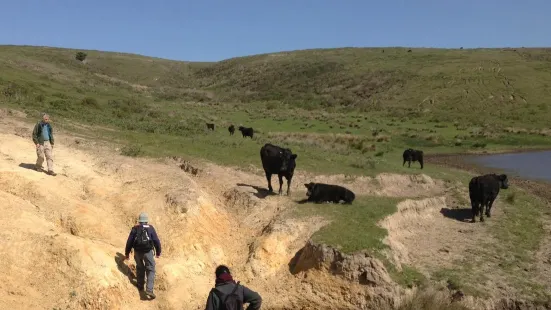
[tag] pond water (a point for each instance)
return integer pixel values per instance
(530, 165)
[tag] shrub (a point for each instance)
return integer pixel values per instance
(132, 150)
(81, 56)
(90, 102)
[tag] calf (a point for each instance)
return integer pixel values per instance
(210, 126)
(280, 161)
(246, 132)
(412, 155)
(231, 129)
(320, 192)
(483, 190)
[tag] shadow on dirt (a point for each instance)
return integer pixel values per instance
(27, 166)
(462, 215)
(261, 192)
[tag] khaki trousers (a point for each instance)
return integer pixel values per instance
(45, 151)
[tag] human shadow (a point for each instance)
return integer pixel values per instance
(461, 215)
(261, 192)
(127, 271)
(27, 166)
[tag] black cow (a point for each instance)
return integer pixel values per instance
(280, 161)
(231, 129)
(483, 191)
(246, 132)
(320, 192)
(412, 155)
(210, 126)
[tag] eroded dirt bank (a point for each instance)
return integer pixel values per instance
(65, 235)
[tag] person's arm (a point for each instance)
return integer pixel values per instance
(212, 302)
(35, 134)
(51, 135)
(156, 241)
(129, 242)
(251, 297)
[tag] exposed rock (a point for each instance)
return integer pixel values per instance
(359, 267)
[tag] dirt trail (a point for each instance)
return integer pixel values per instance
(64, 236)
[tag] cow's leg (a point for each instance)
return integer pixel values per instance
(269, 178)
(289, 185)
(404, 162)
(409, 163)
(280, 177)
(481, 208)
(474, 210)
(489, 208)
(421, 162)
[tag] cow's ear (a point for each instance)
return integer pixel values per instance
(294, 156)
(503, 177)
(306, 185)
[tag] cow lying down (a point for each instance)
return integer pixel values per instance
(320, 192)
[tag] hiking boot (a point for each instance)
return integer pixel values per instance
(150, 294)
(52, 173)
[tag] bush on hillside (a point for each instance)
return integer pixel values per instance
(80, 56)
(90, 102)
(131, 150)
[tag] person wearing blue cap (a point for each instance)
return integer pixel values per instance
(143, 239)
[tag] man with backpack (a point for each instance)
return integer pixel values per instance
(143, 239)
(229, 295)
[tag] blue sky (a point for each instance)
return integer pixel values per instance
(210, 30)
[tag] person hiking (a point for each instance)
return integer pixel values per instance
(143, 239)
(229, 295)
(43, 138)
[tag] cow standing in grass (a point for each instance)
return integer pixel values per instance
(280, 161)
(483, 190)
(412, 155)
(210, 126)
(231, 129)
(246, 132)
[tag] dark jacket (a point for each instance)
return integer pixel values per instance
(37, 133)
(248, 296)
(152, 234)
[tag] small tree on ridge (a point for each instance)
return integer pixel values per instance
(80, 56)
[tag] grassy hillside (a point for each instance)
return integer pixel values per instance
(359, 103)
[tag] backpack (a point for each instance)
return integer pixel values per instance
(231, 301)
(142, 241)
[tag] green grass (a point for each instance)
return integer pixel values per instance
(510, 255)
(353, 227)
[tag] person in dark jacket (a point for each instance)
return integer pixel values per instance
(225, 284)
(43, 138)
(144, 254)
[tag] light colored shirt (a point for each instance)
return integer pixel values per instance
(45, 132)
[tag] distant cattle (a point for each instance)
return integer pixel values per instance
(320, 192)
(409, 51)
(210, 126)
(231, 129)
(280, 161)
(483, 190)
(246, 132)
(412, 155)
